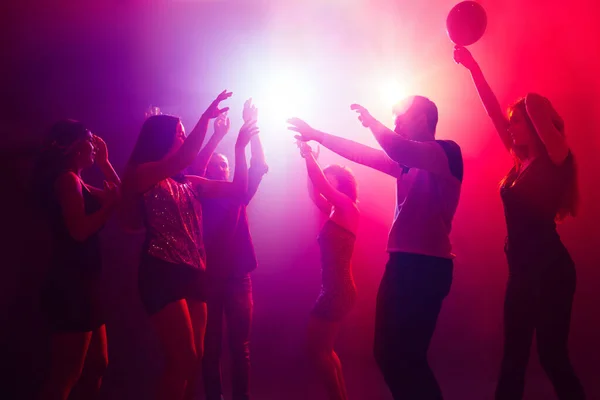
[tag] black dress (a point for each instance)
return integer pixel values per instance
(338, 292)
(71, 291)
(541, 282)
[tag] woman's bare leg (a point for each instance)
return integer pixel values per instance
(174, 328)
(321, 338)
(96, 362)
(198, 316)
(67, 358)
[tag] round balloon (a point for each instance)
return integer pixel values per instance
(466, 23)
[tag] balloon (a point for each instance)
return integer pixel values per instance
(466, 23)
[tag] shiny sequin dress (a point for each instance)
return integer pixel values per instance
(338, 292)
(173, 260)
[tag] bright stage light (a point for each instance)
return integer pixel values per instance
(285, 95)
(392, 92)
(280, 96)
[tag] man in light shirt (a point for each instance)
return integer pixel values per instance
(418, 274)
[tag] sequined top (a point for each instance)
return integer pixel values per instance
(173, 218)
(337, 246)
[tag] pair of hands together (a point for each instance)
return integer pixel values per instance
(222, 122)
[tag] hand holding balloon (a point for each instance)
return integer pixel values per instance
(464, 57)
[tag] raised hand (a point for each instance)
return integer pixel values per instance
(213, 111)
(221, 125)
(250, 111)
(306, 132)
(464, 57)
(305, 149)
(247, 130)
(365, 118)
(101, 150)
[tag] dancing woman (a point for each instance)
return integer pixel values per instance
(540, 189)
(333, 190)
(77, 212)
(172, 269)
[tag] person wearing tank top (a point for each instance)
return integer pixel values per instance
(539, 190)
(333, 190)
(164, 201)
(71, 297)
(418, 274)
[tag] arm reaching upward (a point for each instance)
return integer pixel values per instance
(239, 186)
(221, 127)
(487, 96)
(258, 164)
(315, 195)
(414, 154)
(321, 184)
(144, 176)
(353, 151)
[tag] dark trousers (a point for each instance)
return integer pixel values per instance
(231, 298)
(409, 301)
(539, 296)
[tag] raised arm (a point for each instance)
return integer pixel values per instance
(353, 151)
(549, 126)
(68, 189)
(321, 183)
(221, 127)
(258, 169)
(313, 193)
(258, 164)
(487, 96)
(423, 155)
(239, 186)
(144, 176)
(317, 198)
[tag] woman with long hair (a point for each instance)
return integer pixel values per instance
(159, 197)
(333, 190)
(539, 190)
(77, 212)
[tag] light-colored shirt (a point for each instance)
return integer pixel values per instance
(425, 201)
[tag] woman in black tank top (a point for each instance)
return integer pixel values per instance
(539, 190)
(333, 190)
(76, 212)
